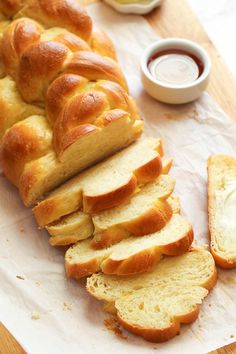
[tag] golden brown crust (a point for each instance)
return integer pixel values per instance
(61, 89)
(13, 113)
(220, 260)
(10, 7)
(22, 143)
(96, 203)
(181, 246)
(18, 36)
(152, 221)
(145, 260)
(101, 44)
(95, 67)
(79, 108)
(51, 209)
(77, 272)
(149, 171)
(38, 65)
(158, 335)
(67, 14)
(139, 262)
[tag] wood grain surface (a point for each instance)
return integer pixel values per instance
(174, 19)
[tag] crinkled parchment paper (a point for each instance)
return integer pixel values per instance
(32, 272)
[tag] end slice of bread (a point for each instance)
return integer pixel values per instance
(154, 304)
(105, 185)
(130, 256)
(222, 209)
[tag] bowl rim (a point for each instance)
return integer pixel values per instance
(127, 8)
(176, 43)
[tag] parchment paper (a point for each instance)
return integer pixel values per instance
(70, 320)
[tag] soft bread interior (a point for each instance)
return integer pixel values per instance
(132, 255)
(222, 209)
(146, 211)
(118, 173)
(154, 304)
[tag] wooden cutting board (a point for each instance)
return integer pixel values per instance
(174, 19)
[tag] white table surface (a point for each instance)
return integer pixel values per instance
(219, 20)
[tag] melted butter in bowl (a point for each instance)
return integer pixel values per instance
(175, 70)
(176, 67)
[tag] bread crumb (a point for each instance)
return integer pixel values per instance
(209, 305)
(231, 336)
(20, 277)
(35, 315)
(37, 283)
(22, 229)
(66, 307)
(112, 325)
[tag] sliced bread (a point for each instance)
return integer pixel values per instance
(105, 185)
(132, 255)
(145, 213)
(154, 304)
(222, 209)
(79, 226)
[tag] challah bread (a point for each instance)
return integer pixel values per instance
(155, 304)
(47, 172)
(10, 7)
(13, 108)
(67, 14)
(222, 209)
(90, 116)
(76, 118)
(105, 185)
(79, 225)
(145, 213)
(3, 24)
(130, 256)
(75, 105)
(35, 57)
(70, 229)
(28, 140)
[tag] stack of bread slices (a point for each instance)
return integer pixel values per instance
(65, 107)
(123, 219)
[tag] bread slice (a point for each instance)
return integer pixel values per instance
(222, 209)
(105, 185)
(145, 213)
(79, 226)
(132, 255)
(71, 229)
(154, 305)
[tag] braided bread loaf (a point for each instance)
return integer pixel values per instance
(67, 14)
(73, 76)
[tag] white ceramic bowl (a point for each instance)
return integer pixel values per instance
(169, 93)
(138, 8)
